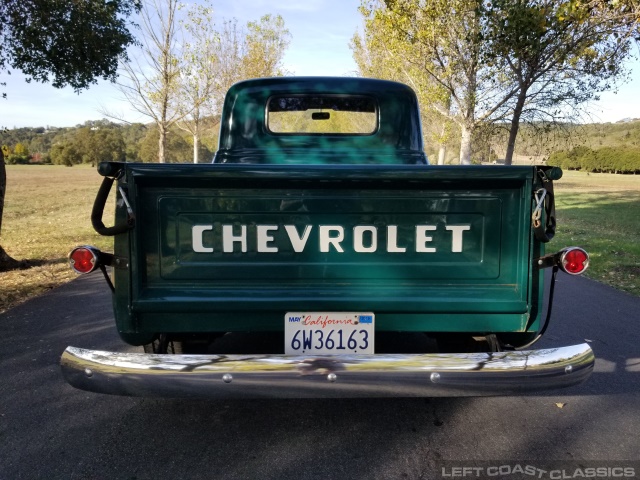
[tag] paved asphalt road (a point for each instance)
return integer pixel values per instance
(50, 430)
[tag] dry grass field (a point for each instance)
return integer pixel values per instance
(47, 213)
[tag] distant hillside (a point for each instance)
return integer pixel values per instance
(138, 142)
(102, 140)
(536, 144)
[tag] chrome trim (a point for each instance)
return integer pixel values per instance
(282, 376)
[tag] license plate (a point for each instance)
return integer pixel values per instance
(328, 333)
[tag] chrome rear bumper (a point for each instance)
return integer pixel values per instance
(281, 376)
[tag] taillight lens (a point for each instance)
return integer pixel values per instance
(84, 259)
(574, 260)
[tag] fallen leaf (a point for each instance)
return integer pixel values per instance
(588, 340)
(560, 405)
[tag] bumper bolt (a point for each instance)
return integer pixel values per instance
(435, 377)
(568, 369)
(227, 378)
(332, 377)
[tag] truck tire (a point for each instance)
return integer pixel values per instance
(163, 345)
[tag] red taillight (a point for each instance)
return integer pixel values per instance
(84, 259)
(574, 260)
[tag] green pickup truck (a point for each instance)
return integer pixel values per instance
(320, 255)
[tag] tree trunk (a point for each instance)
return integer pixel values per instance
(162, 143)
(3, 185)
(465, 146)
(6, 262)
(515, 125)
(196, 148)
(442, 153)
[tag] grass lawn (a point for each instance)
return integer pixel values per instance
(601, 212)
(47, 212)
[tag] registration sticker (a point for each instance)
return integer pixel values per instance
(329, 333)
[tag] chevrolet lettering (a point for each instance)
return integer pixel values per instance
(363, 238)
(319, 254)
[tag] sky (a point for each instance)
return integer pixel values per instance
(321, 31)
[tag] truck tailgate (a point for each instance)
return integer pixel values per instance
(234, 247)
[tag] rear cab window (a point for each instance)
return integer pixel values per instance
(322, 115)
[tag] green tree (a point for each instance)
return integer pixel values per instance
(213, 61)
(504, 60)
(559, 54)
(41, 144)
(65, 153)
(178, 150)
(378, 56)
(65, 43)
(21, 149)
(20, 155)
(440, 45)
(266, 42)
(99, 144)
(132, 134)
(150, 82)
(197, 80)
